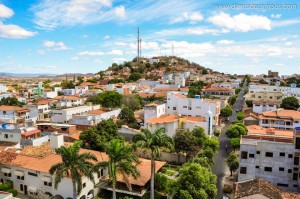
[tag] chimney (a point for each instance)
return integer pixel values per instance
(56, 140)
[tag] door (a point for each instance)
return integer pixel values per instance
(25, 189)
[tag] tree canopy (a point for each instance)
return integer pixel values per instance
(134, 102)
(109, 99)
(232, 162)
(126, 117)
(134, 76)
(226, 111)
(291, 103)
(184, 141)
(10, 101)
(240, 115)
(235, 143)
(235, 131)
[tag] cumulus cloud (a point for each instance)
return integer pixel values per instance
(5, 12)
(193, 18)
(100, 53)
(241, 22)
(10, 30)
(106, 37)
(275, 16)
(120, 12)
(52, 45)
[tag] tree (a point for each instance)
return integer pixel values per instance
(115, 81)
(121, 161)
(95, 137)
(194, 181)
(153, 141)
(161, 182)
(240, 115)
(74, 165)
(232, 162)
(235, 143)
(208, 154)
(127, 117)
(232, 99)
(134, 76)
(237, 90)
(226, 111)
(68, 85)
(109, 99)
(203, 161)
(204, 72)
(291, 103)
(131, 101)
(80, 80)
(10, 101)
(193, 91)
(235, 131)
(212, 143)
(199, 135)
(184, 141)
(249, 103)
(262, 81)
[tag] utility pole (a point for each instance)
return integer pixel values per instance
(138, 45)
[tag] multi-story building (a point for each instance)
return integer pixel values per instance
(222, 93)
(68, 101)
(280, 119)
(13, 114)
(272, 73)
(180, 80)
(153, 110)
(39, 110)
(271, 154)
(179, 104)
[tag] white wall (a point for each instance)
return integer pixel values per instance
(154, 112)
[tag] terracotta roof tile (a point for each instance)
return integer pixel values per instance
(163, 119)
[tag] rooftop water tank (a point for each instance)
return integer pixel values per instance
(197, 96)
(4, 126)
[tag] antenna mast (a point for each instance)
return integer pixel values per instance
(138, 45)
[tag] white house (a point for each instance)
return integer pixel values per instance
(39, 110)
(10, 114)
(180, 80)
(153, 110)
(64, 115)
(152, 61)
(180, 104)
(3, 88)
(68, 101)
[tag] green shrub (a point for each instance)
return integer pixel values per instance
(13, 191)
(5, 186)
(217, 133)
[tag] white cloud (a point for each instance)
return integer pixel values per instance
(100, 53)
(225, 42)
(52, 45)
(14, 32)
(85, 36)
(106, 37)
(50, 14)
(287, 22)
(193, 18)
(288, 43)
(74, 58)
(120, 12)
(5, 12)
(241, 22)
(275, 16)
(119, 60)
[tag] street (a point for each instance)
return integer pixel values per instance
(220, 167)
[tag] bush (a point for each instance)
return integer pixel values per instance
(5, 186)
(240, 116)
(161, 182)
(217, 133)
(13, 191)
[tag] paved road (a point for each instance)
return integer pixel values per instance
(220, 167)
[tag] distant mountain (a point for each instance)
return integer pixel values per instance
(10, 75)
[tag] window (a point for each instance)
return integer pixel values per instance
(290, 155)
(20, 177)
(289, 170)
(295, 176)
(243, 170)
(269, 169)
(83, 185)
(4, 112)
(296, 160)
(6, 136)
(190, 108)
(282, 154)
(7, 174)
(282, 185)
(184, 106)
(257, 167)
(49, 184)
(295, 185)
(281, 169)
(244, 154)
(174, 108)
(21, 187)
(251, 155)
(296, 169)
(269, 154)
(32, 174)
(297, 144)
(257, 152)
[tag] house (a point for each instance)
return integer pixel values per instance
(39, 110)
(3, 88)
(64, 115)
(271, 154)
(272, 73)
(68, 101)
(262, 106)
(280, 119)
(265, 96)
(153, 110)
(222, 93)
(13, 114)
(28, 170)
(179, 104)
(179, 80)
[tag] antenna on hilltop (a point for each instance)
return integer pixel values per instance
(172, 51)
(138, 45)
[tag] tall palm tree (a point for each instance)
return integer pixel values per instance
(153, 141)
(120, 162)
(73, 165)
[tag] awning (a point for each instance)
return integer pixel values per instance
(5, 170)
(46, 179)
(32, 189)
(19, 173)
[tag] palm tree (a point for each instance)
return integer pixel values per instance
(153, 141)
(120, 161)
(73, 165)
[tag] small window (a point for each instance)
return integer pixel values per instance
(174, 108)
(281, 169)
(257, 152)
(295, 176)
(282, 185)
(244, 154)
(6, 136)
(251, 155)
(269, 154)
(289, 170)
(184, 106)
(21, 187)
(257, 167)
(290, 155)
(243, 170)
(32, 174)
(295, 185)
(83, 185)
(269, 169)
(282, 154)
(190, 108)
(20, 177)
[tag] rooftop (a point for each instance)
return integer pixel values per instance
(163, 119)
(281, 113)
(258, 130)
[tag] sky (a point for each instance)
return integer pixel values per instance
(86, 36)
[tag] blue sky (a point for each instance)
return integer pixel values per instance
(59, 36)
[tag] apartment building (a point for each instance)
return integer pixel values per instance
(179, 104)
(68, 101)
(11, 114)
(286, 91)
(222, 93)
(280, 119)
(271, 154)
(39, 110)
(64, 115)
(153, 110)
